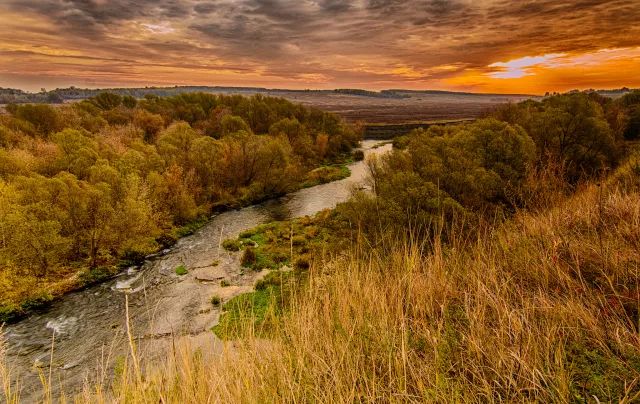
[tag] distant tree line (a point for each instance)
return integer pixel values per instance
(60, 95)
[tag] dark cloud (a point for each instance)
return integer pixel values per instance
(93, 17)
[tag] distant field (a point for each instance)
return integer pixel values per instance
(413, 107)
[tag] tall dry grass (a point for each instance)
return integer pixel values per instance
(544, 308)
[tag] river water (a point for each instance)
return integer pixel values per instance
(87, 329)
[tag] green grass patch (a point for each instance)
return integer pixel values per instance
(181, 270)
(258, 312)
(600, 373)
(291, 242)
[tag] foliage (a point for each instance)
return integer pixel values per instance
(324, 174)
(569, 129)
(259, 311)
(292, 242)
(231, 245)
(444, 173)
(84, 184)
(248, 257)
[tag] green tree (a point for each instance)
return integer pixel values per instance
(569, 130)
(44, 118)
(106, 101)
(175, 143)
(78, 151)
(230, 124)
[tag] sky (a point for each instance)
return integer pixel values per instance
(498, 46)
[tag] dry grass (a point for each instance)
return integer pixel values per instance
(542, 309)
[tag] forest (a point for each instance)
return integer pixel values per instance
(91, 186)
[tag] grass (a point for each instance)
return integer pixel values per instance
(258, 312)
(181, 270)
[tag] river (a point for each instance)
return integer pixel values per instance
(87, 329)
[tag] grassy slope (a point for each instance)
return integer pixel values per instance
(544, 308)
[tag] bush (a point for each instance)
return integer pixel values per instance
(166, 240)
(231, 245)
(444, 174)
(303, 263)
(132, 257)
(249, 257)
(358, 155)
(216, 300)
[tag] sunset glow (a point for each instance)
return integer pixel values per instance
(488, 45)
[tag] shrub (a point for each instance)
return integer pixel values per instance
(249, 257)
(231, 245)
(303, 263)
(216, 300)
(181, 270)
(568, 129)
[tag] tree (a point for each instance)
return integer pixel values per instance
(34, 243)
(569, 130)
(443, 174)
(297, 136)
(150, 123)
(232, 124)
(129, 101)
(175, 143)
(106, 101)
(78, 151)
(630, 106)
(44, 118)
